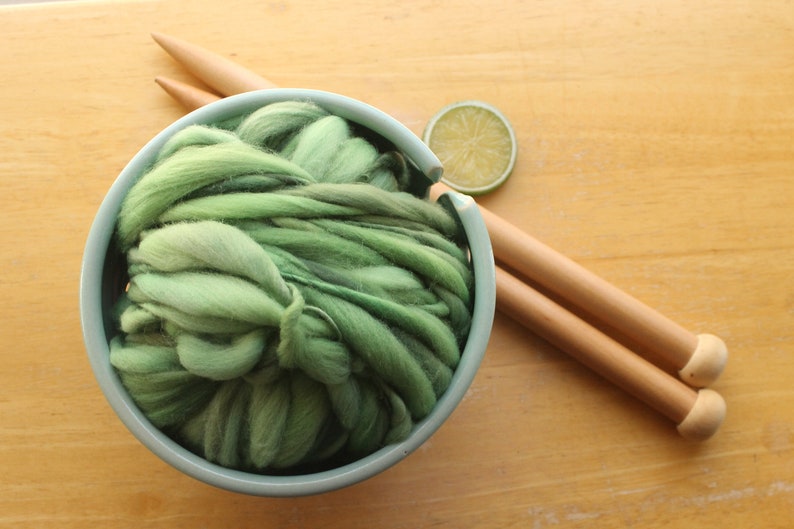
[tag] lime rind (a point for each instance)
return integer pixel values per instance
(465, 148)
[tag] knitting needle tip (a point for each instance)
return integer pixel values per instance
(220, 73)
(190, 96)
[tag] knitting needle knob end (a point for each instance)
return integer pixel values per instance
(706, 363)
(705, 417)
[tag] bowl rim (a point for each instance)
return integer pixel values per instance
(93, 316)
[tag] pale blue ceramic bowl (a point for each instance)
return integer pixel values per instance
(103, 277)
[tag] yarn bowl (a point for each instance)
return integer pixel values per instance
(104, 275)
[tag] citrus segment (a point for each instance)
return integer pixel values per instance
(476, 146)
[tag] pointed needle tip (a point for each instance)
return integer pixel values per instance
(162, 39)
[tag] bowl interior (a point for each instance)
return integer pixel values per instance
(103, 276)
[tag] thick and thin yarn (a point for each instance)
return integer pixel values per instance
(289, 303)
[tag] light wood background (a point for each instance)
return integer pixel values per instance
(656, 148)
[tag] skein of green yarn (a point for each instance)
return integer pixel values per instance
(289, 304)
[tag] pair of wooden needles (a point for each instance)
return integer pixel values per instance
(697, 359)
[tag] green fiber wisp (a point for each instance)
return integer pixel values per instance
(290, 304)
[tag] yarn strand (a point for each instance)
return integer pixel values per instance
(289, 302)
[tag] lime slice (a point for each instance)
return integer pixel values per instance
(476, 146)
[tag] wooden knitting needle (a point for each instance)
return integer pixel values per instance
(698, 359)
(698, 414)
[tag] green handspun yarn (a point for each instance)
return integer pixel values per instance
(289, 303)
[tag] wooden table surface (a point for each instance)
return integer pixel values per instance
(656, 148)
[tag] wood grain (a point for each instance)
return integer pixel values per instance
(655, 148)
